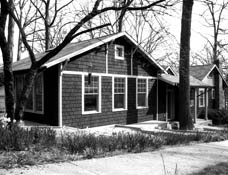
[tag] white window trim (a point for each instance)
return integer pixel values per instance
(126, 95)
(116, 56)
(137, 106)
(203, 96)
(83, 96)
(33, 91)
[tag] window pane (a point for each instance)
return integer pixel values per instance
(38, 94)
(19, 85)
(141, 99)
(29, 104)
(119, 101)
(142, 90)
(91, 94)
(91, 103)
(119, 52)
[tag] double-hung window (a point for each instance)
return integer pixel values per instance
(201, 97)
(119, 94)
(92, 95)
(141, 93)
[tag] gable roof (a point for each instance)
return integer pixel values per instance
(75, 49)
(201, 71)
(174, 80)
(169, 68)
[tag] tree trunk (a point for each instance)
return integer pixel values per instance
(184, 89)
(21, 102)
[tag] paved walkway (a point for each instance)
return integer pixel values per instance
(187, 159)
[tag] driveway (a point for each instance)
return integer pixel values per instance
(184, 159)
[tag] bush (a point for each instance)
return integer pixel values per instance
(90, 145)
(19, 139)
(218, 117)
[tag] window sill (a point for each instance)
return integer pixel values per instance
(141, 107)
(119, 109)
(90, 112)
(119, 58)
(34, 112)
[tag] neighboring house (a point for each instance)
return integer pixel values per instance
(170, 70)
(102, 81)
(207, 88)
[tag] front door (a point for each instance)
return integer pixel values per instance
(171, 104)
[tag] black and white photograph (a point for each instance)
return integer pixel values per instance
(113, 87)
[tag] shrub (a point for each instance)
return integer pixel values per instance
(218, 117)
(19, 139)
(90, 145)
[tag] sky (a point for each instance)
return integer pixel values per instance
(174, 24)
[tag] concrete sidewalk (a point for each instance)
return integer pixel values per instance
(187, 159)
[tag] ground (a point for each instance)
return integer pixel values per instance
(184, 159)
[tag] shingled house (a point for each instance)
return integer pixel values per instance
(106, 80)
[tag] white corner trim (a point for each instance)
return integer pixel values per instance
(60, 117)
(106, 58)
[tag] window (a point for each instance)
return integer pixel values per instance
(35, 99)
(213, 93)
(120, 98)
(119, 52)
(201, 97)
(92, 95)
(141, 93)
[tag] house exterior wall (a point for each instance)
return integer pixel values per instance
(72, 104)
(130, 68)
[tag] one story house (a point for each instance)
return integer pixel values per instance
(101, 81)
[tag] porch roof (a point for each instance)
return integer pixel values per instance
(174, 80)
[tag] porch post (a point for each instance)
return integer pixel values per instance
(195, 104)
(206, 104)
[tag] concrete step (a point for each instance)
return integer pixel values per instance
(203, 122)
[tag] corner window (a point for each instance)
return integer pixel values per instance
(119, 52)
(91, 95)
(141, 93)
(119, 95)
(201, 97)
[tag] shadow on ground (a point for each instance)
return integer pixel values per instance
(218, 169)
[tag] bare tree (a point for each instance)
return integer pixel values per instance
(7, 53)
(73, 33)
(213, 17)
(184, 86)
